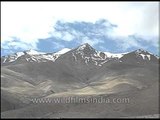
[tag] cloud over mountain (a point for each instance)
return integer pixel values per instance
(100, 24)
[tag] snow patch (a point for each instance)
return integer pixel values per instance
(149, 57)
(74, 56)
(19, 54)
(144, 56)
(104, 62)
(34, 52)
(49, 57)
(113, 55)
(34, 59)
(27, 59)
(81, 47)
(64, 50)
(4, 60)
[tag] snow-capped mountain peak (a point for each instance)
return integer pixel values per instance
(84, 47)
(88, 55)
(82, 54)
(144, 52)
(13, 57)
(145, 55)
(33, 52)
(34, 56)
(18, 54)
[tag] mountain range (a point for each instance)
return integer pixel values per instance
(79, 72)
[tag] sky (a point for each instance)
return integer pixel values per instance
(107, 26)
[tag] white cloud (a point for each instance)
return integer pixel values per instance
(32, 20)
(131, 42)
(89, 41)
(63, 35)
(17, 45)
(138, 18)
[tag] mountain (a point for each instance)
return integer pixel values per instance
(31, 56)
(85, 52)
(139, 56)
(79, 72)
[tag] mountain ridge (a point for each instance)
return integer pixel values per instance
(82, 49)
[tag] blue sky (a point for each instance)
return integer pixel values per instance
(113, 27)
